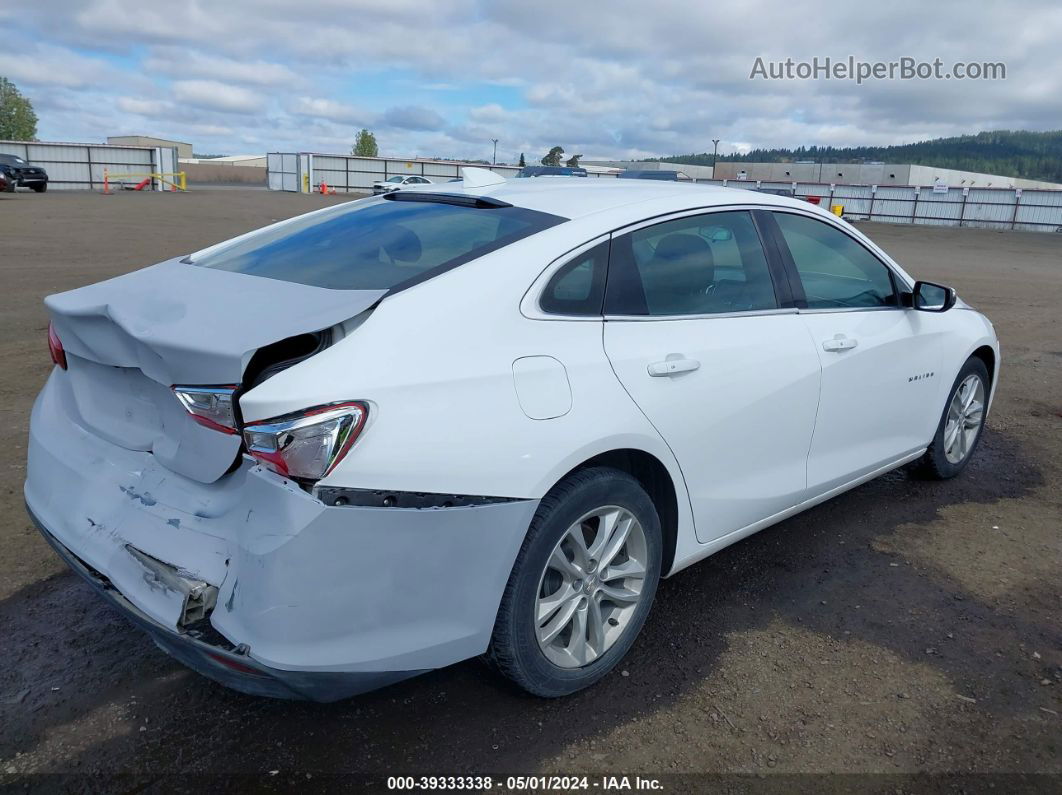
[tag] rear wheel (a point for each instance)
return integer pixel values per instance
(582, 585)
(960, 426)
(40, 187)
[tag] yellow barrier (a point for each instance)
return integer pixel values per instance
(838, 210)
(181, 182)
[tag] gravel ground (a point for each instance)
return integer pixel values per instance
(901, 630)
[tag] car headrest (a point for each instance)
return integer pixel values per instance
(682, 263)
(401, 244)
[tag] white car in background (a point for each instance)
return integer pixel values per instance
(398, 182)
(479, 419)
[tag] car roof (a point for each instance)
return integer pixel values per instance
(577, 197)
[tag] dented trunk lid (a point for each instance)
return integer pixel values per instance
(130, 339)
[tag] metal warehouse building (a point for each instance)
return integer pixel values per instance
(184, 149)
(870, 174)
(693, 172)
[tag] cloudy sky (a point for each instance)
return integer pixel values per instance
(440, 78)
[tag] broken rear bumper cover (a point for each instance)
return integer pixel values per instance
(312, 601)
(223, 665)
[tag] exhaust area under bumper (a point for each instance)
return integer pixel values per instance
(227, 666)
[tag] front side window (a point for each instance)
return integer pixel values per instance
(702, 264)
(376, 244)
(578, 286)
(835, 270)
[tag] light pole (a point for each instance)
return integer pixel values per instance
(495, 159)
(715, 153)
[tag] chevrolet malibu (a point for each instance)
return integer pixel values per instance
(479, 419)
(399, 182)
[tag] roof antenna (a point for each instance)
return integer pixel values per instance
(480, 177)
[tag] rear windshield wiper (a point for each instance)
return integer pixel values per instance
(460, 199)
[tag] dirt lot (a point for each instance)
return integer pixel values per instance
(903, 628)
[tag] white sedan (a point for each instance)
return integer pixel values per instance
(397, 182)
(479, 419)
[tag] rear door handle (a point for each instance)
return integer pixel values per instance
(839, 343)
(673, 367)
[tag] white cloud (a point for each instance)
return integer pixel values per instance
(180, 62)
(143, 107)
(214, 95)
(329, 109)
(47, 65)
(412, 117)
(442, 78)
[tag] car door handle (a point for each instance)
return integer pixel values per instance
(673, 367)
(839, 343)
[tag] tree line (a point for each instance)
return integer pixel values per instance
(1011, 153)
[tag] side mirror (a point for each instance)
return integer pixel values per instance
(930, 297)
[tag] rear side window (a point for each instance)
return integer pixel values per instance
(836, 272)
(702, 264)
(578, 287)
(377, 244)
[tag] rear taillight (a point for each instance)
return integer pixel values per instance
(209, 405)
(55, 347)
(306, 445)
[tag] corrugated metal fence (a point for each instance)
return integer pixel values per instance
(989, 208)
(81, 166)
(304, 171)
(992, 208)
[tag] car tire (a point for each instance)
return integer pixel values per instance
(961, 424)
(41, 188)
(595, 505)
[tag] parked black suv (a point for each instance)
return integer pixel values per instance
(19, 172)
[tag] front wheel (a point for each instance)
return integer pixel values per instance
(960, 426)
(582, 585)
(40, 187)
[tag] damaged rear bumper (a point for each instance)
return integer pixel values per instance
(228, 667)
(299, 598)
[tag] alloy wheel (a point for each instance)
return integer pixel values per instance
(591, 586)
(965, 415)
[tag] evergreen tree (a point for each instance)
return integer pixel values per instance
(18, 122)
(365, 145)
(553, 158)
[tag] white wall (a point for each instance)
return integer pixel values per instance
(693, 172)
(1030, 210)
(81, 166)
(873, 174)
(346, 173)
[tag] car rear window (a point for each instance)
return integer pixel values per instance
(376, 244)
